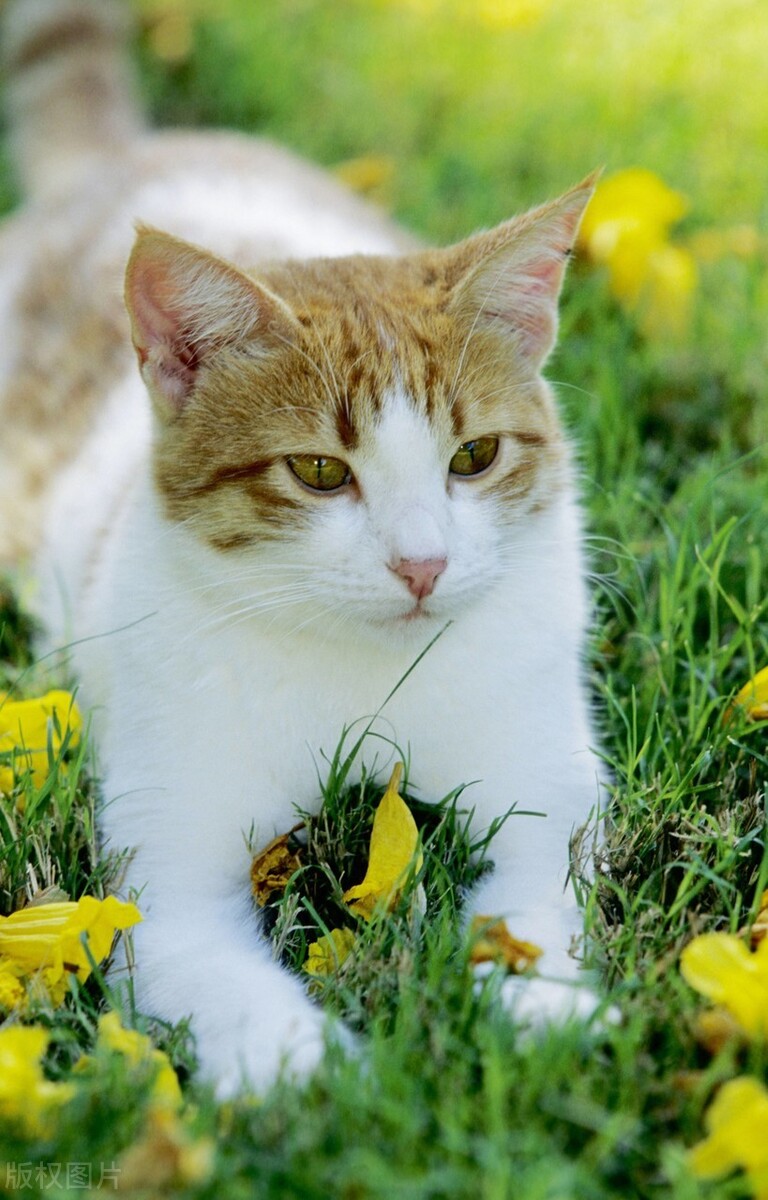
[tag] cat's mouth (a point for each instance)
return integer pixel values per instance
(418, 612)
(414, 614)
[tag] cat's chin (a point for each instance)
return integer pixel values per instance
(414, 623)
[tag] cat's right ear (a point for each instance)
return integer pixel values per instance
(185, 304)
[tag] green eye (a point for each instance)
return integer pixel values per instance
(473, 457)
(320, 473)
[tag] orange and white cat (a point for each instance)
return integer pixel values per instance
(325, 445)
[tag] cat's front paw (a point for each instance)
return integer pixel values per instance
(256, 1057)
(538, 1002)
(535, 1003)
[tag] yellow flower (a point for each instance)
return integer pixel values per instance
(721, 967)
(368, 174)
(138, 1051)
(12, 993)
(759, 927)
(634, 200)
(394, 852)
(165, 1155)
(27, 1098)
(328, 953)
(26, 729)
(509, 14)
(47, 938)
(736, 1121)
(494, 14)
(626, 229)
(753, 697)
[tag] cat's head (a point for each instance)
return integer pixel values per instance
(359, 438)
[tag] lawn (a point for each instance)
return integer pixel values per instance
(456, 114)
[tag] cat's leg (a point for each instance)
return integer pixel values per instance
(199, 951)
(531, 889)
(203, 958)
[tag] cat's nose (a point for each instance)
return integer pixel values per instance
(420, 574)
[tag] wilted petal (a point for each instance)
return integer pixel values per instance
(272, 867)
(494, 943)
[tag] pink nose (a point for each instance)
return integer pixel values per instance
(420, 575)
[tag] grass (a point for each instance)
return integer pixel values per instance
(444, 1098)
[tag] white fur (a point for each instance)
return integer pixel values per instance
(219, 681)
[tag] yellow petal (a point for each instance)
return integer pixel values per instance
(494, 943)
(272, 867)
(165, 1155)
(634, 202)
(49, 936)
(99, 920)
(26, 1096)
(510, 14)
(171, 36)
(394, 851)
(12, 993)
(753, 697)
(367, 173)
(138, 1050)
(326, 955)
(27, 727)
(760, 924)
(721, 967)
(737, 1120)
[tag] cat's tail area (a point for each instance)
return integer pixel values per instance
(69, 91)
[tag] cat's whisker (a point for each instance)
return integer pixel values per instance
(262, 601)
(266, 596)
(253, 577)
(504, 390)
(574, 387)
(231, 620)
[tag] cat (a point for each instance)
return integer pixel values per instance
(309, 446)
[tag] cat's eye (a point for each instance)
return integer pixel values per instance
(320, 473)
(473, 457)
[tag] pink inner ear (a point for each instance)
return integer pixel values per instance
(155, 309)
(175, 300)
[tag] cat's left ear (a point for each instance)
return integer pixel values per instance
(510, 277)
